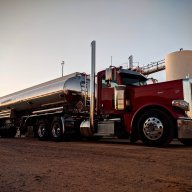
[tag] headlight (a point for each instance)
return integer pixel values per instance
(181, 104)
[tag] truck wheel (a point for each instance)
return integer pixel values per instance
(155, 128)
(187, 142)
(42, 130)
(57, 130)
(12, 132)
(9, 133)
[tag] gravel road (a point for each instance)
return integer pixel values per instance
(80, 166)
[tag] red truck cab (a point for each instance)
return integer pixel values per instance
(155, 113)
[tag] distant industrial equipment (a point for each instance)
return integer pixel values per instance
(146, 69)
(178, 65)
(153, 67)
(62, 66)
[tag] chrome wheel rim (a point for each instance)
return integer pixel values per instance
(41, 131)
(153, 128)
(56, 130)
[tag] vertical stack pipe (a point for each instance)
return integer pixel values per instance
(92, 85)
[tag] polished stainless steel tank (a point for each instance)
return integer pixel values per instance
(71, 91)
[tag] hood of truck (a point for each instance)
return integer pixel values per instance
(157, 94)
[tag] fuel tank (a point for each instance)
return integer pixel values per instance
(71, 92)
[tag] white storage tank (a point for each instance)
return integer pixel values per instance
(178, 65)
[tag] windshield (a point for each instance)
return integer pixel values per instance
(135, 80)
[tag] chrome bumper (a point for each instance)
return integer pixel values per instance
(184, 128)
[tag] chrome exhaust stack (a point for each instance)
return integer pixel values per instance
(87, 126)
(92, 85)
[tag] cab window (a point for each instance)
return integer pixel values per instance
(134, 80)
(112, 83)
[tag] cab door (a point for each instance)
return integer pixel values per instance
(106, 96)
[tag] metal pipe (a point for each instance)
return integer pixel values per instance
(130, 61)
(154, 70)
(92, 85)
(85, 90)
(62, 65)
(153, 67)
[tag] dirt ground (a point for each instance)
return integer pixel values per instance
(27, 164)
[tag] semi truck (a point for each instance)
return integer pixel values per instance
(116, 102)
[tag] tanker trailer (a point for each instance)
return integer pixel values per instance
(51, 108)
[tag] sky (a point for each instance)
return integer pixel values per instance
(37, 35)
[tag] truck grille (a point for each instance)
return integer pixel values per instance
(187, 90)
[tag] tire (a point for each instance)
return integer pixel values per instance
(12, 132)
(155, 128)
(43, 130)
(134, 136)
(187, 142)
(8, 133)
(35, 131)
(57, 130)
